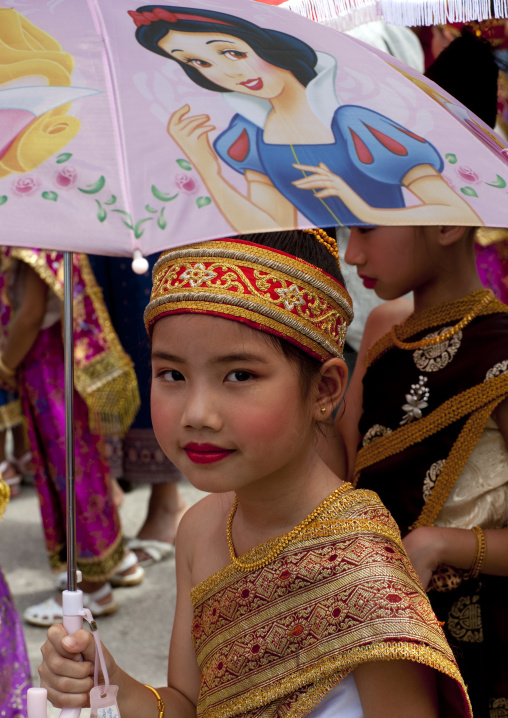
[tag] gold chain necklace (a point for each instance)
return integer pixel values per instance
(285, 539)
(431, 341)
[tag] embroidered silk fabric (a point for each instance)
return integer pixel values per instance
(432, 455)
(104, 374)
(14, 665)
(274, 642)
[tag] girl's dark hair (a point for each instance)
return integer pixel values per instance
(304, 246)
(468, 71)
(276, 48)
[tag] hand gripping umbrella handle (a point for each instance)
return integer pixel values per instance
(72, 604)
(72, 621)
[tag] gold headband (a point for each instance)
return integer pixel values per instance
(262, 287)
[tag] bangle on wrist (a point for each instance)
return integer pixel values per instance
(5, 369)
(481, 551)
(160, 702)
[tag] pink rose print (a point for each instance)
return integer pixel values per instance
(25, 185)
(185, 183)
(66, 177)
(468, 175)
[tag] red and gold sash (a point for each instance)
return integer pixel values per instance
(276, 640)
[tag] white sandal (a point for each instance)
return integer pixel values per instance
(50, 611)
(118, 579)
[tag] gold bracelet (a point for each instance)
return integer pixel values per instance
(160, 702)
(481, 551)
(5, 369)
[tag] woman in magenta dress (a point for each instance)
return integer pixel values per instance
(106, 400)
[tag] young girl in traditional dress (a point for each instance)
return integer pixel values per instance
(295, 597)
(433, 433)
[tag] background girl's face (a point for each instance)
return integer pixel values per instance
(391, 260)
(228, 62)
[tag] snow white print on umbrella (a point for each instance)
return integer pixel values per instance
(220, 116)
(336, 165)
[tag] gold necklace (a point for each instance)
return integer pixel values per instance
(431, 341)
(284, 540)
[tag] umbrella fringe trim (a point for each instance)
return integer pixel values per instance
(346, 14)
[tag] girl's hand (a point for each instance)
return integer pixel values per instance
(191, 135)
(424, 547)
(68, 680)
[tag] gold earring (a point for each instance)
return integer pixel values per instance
(323, 410)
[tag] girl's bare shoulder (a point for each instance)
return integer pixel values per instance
(204, 525)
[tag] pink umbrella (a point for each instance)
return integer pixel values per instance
(107, 168)
(160, 125)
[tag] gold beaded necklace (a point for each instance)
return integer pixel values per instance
(285, 539)
(431, 341)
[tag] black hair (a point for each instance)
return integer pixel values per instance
(304, 246)
(467, 70)
(276, 48)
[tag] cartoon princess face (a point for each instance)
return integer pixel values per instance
(228, 62)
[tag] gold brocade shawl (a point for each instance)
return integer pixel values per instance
(273, 642)
(466, 378)
(103, 373)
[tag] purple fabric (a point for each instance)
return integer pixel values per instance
(14, 666)
(492, 262)
(98, 530)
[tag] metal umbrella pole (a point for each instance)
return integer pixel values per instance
(70, 476)
(73, 597)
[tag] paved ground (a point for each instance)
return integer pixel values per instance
(138, 634)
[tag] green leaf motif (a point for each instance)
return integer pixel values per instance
(3, 199)
(128, 221)
(94, 188)
(161, 196)
(500, 182)
(64, 157)
(138, 232)
(203, 202)
(111, 200)
(452, 159)
(184, 165)
(468, 191)
(52, 196)
(150, 209)
(161, 220)
(101, 212)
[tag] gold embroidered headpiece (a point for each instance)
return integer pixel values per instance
(267, 289)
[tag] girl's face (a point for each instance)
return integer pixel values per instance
(228, 62)
(391, 260)
(227, 407)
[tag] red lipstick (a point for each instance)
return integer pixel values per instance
(256, 84)
(368, 282)
(206, 453)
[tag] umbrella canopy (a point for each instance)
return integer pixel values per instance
(350, 13)
(125, 127)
